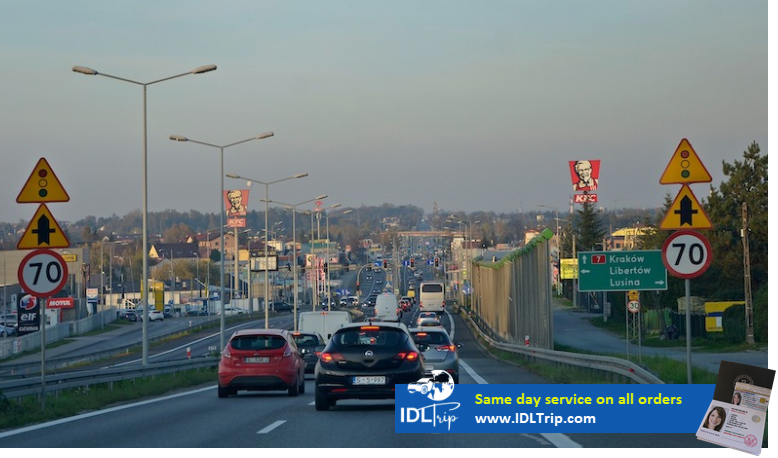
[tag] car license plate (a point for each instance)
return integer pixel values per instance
(429, 367)
(374, 380)
(257, 359)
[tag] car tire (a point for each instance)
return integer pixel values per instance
(456, 379)
(302, 385)
(294, 390)
(322, 403)
(223, 392)
(424, 389)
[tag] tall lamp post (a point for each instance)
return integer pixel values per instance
(179, 138)
(327, 260)
(267, 198)
(145, 276)
(293, 207)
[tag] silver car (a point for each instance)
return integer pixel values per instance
(437, 350)
(6, 331)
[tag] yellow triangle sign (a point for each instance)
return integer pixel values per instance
(686, 213)
(43, 232)
(42, 186)
(685, 167)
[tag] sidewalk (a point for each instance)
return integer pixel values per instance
(572, 328)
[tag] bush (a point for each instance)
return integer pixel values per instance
(734, 323)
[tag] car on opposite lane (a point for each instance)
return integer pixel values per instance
(366, 361)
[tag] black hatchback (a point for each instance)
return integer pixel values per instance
(310, 345)
(366, 361)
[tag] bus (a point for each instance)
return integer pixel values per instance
(431, 295)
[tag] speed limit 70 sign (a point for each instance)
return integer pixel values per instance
(43, 273)
(687, 254)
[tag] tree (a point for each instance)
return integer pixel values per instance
(747, 183)
(589, 230)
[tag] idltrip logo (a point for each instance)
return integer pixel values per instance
(437, 388)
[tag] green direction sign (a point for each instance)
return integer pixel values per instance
(641, 270)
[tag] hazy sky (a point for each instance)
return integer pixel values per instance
(475, 105)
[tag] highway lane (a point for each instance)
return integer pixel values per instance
(199, 418)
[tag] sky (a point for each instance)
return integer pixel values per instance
(465, 105)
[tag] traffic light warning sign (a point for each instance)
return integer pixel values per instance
(685, 167)
(42, 186)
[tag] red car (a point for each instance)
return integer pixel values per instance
(261, 360)
(405, 304)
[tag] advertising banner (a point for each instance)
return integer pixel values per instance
(426, 407)
(28, 309)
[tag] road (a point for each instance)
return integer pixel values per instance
(198, 418)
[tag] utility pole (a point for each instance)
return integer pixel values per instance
(747, 278)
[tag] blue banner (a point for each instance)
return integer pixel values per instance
(428, 408)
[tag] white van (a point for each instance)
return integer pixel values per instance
(386, 308)
(432, 297)
(325, 323)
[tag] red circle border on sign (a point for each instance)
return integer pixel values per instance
(698, 236)
(57, 288)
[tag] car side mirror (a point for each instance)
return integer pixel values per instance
(423, 347)
(303, 351)
(458, 344)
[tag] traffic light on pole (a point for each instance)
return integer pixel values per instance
(413, 262)
(385, 263)
(437, 262)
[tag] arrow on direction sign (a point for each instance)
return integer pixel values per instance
(584, 259)
(585, 271)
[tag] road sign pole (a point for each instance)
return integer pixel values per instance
(688, 288)
(42, 321)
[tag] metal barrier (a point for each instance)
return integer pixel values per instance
(618, 368)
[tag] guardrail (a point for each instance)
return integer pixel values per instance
(34, 386)
(617, 367)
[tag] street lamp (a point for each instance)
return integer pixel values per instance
(179, 138)
(267, 198)
(327, 260)
(145, 276)
(294, 244)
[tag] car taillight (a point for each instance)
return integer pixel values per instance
(443, 304)
(330, 357)
(446, 348)
(408, 356)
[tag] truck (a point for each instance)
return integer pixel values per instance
(325, 323)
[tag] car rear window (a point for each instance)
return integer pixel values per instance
(430, 338)
(381, 337)
(306, 340)
(432, 288)
(257, 342)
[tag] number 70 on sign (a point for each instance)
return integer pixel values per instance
(43, 273)
(687, 254)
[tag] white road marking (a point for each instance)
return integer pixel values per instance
(272, 426)
(472, 373)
